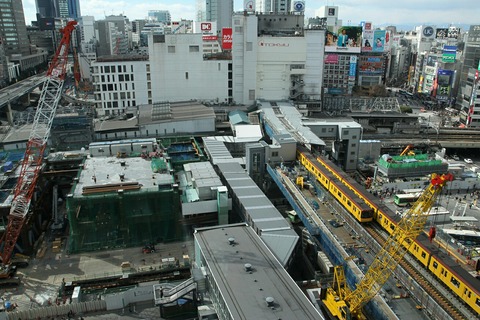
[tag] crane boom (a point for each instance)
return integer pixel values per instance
(409, 227)
(37, 141)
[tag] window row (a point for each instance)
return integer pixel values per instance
(115, 69)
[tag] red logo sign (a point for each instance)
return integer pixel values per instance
(209, 38)
(206, 26)
(227, 39)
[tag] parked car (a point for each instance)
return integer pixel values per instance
(455, 157)
(468, 160)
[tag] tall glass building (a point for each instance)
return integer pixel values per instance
(74, 9)
(13, 28)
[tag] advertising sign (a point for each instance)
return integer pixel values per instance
(249, 5)
(431, 61)
(347, 39)
(453, 32)
(227, 39)
(388, 38)
(331, 11)
(205, 27)
(209, 38)
(378, 41)
(353, 67)
(428, 32)
(367, 41)
(449, 54)
(429, 70)
(371, 65)
(441, 33)
(331, 58)
(444, 81)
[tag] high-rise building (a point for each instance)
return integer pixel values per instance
(58, 8)
(74, 9)
(274, 6)
(159, 16)
(46, 8)
(469, 92)
(13, 28)
(216, 10)
(62, 9)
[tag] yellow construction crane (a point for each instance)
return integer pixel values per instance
(408, 151)
(346, 304)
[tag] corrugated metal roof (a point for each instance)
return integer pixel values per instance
(263, 214)
(284, 119)
(237, 117)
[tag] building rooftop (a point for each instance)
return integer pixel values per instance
(107, 172)
(158, 113)
(260, 212)
(246, 291)
(284, 118)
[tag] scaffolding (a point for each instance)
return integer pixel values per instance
(410, 166)
(123, 202)
(123, 219)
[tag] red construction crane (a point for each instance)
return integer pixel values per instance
(32, 160)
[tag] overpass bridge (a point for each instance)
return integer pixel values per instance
(17, 90)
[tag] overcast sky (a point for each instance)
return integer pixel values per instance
(392, 12)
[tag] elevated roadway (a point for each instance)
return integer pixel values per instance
(15, 91)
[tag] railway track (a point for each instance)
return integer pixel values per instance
(429, 287)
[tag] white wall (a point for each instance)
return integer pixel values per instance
(244, 60)
(275, 56)
(184, 75)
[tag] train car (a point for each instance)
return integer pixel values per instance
(349, 200)
(349, 182)
(450, 273)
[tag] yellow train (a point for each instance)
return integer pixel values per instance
(366, 208)
(355, 205)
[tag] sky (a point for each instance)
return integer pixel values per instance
(381, 12)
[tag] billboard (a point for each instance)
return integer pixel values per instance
(449, 54)
(353, 68)
(346, 39)
(431, 61)
(453, 32)
(444, 83)
(371, 65)
(205, 27)
(441, 33)
(378, 44)
(331, 58)
(367, 40)
(227, 39)
(209, 38)
(46, 23)
(249, 5)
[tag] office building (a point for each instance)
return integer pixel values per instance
(273, 6)
(162, 16)
(216, 10)
(271, 60)
(13, 28)
(469, 97)
(74, 9)
(120, 82)
(46, 8)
